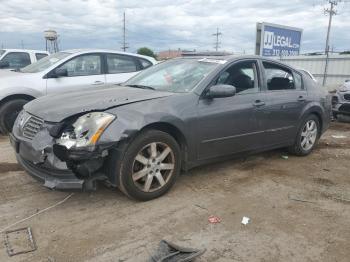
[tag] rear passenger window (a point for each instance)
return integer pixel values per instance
(120, 64)
(17, 59)
(145, 63)
(278, 77)
(39, 56)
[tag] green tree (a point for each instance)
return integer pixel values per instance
(146, 51)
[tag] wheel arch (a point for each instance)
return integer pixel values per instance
(176, 133)
(16, 96)
(318, 112)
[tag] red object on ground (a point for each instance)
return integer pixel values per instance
(214, 219)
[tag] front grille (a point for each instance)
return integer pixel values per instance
(32, 126)
(347, 97)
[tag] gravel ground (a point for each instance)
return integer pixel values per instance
(299, 209)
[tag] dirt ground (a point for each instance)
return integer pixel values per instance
(299, 209)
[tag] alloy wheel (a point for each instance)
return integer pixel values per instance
(309, 135)
(153, 167)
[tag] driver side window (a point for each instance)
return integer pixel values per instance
(242, 75)
(83, 65)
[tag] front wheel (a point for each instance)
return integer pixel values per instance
(149, 166)
(307, 136)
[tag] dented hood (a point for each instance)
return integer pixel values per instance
(55, 108)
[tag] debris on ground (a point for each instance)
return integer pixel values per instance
(300, 199)
(285, 157)
(201, 207)
(19, 241)
(214, 220)
(245, 220)
(170, 252)
(37, 213)
(338, 136)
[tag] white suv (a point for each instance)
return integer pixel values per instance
(65, 71)
(18, 58)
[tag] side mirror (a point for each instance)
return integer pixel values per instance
(4, 64)
(58, 72)
(218, 91)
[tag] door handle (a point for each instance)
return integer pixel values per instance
(96, 83)
(301, 99)
(258, 103)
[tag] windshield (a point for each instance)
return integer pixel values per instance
(180, 75)
(2, 52)
(45, 63)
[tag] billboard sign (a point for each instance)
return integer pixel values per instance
(278, 40)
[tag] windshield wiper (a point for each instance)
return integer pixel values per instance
(142, 86)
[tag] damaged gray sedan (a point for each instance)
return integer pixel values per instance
(171, 117)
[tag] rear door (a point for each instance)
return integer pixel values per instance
(84, 72)
(285, 100)
(229, 125)
(120, 68)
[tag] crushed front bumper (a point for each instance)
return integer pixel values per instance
(53, 179)
(36, 163)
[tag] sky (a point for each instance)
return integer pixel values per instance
(167, 24)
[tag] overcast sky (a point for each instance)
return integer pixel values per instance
(164, 24)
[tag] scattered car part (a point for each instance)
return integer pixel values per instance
(19, 241)
(170, 252)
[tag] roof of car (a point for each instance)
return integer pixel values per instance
(24, 50)
(230, 58)
(84, 51)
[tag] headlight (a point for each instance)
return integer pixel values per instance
(87, 130)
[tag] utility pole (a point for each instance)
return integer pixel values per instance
(124, 47)
(330, 11)
(22, 44)
(217, 43)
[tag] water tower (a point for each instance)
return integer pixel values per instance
(51, 38)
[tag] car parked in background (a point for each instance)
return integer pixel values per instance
(63, 72)
(341, 102)
(175, 115)
(18, 58)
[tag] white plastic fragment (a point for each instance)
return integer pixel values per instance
(245, 220)
(338, 136)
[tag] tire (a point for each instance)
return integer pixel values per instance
(8, 114)
(141, 174)
(307, 136)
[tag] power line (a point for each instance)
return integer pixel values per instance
(217, 43)
(125, 46)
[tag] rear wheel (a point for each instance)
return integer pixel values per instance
(307, 137)
(150, 165)
(8, 114)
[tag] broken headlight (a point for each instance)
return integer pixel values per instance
(86, 130)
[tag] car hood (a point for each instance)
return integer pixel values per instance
(55, 108)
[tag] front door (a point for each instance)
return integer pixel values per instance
(84, 72)
(229, 125)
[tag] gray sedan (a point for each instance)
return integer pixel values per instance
(171, 117)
